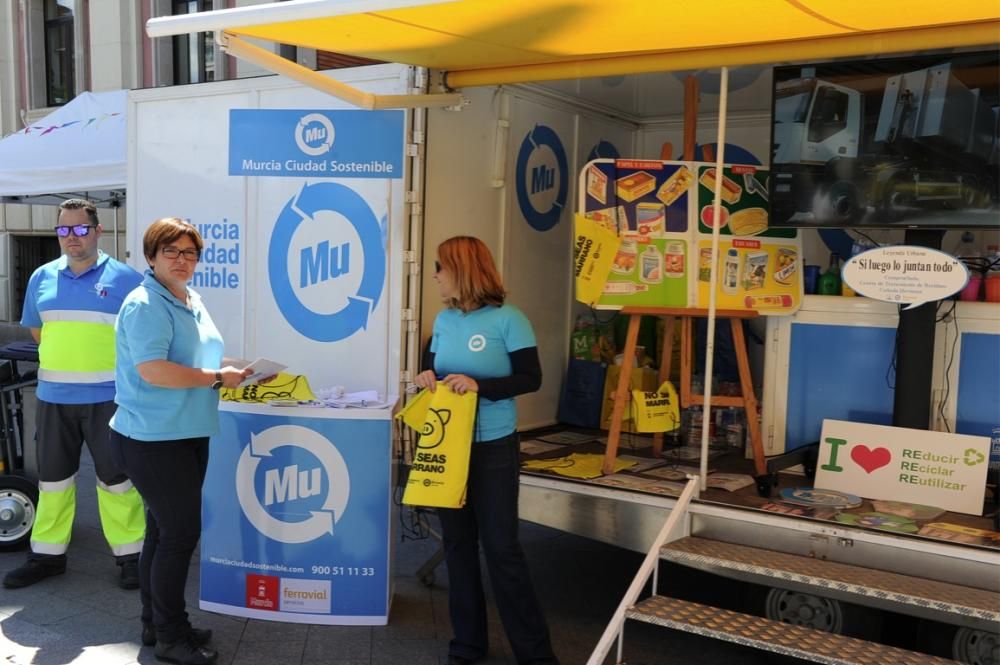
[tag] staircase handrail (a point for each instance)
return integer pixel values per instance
(648, 567)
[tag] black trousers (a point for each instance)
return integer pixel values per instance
(490, 517)
(168, 475)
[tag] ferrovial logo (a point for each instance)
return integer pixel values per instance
(290, 483)
(477, 343)
(314, 134)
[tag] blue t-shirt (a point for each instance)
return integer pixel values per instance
(100, 289)
(155, 325)
(478, 344)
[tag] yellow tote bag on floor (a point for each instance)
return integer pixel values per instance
(441, 463)
(656, 411)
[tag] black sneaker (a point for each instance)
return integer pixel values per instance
(129, 574)
(200, 636)
(185, 652)
(33, 570)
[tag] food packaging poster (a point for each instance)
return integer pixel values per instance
(752, 274)
(759, 268)
(646, 197)
(594, 249)
(663, 213)
(647, 271)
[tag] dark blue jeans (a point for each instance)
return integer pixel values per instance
(168, 475)
(490, 517)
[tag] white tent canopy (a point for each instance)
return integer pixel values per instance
(77, 150)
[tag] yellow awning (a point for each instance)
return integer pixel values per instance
(481, 42)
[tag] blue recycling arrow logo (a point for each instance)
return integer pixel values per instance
(332, 197)
(541, 178)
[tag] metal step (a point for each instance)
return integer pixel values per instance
(865, 586)
(774, 636)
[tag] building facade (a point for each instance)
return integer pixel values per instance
(51, 50)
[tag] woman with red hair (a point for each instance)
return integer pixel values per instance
(483, 345)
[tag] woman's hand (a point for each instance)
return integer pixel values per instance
(232, 377)
(426, 379)
(461, 384)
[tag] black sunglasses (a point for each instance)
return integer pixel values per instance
(79, 230)
(437, 267)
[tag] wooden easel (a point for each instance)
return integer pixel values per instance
(746, 400)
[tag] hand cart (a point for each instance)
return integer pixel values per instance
(18, 493)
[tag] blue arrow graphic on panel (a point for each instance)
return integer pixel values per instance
(332, 197)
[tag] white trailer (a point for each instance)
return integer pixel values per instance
(468, 183)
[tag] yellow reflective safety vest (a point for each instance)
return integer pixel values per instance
(76, 314)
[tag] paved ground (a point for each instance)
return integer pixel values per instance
(83, 617)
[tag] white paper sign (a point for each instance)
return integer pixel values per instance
(898, 464)
(905, 274)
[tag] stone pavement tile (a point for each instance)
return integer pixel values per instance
(411, 652)
(270, 631)
(412, 614)
(96, 627)
(338, 642)
(19, 639)
(123, 604)
(71, 651)
(46, 609)
(286, 652)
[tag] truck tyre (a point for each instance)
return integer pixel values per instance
(18, 506)
(804, 609)
(976, 647)
(893, 204)
(844, 204)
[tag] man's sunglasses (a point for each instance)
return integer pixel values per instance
(437, 267)
(80, 230)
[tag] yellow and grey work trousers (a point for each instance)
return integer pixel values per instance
(61, 431)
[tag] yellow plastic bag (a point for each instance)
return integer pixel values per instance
(594, 249)
(441, 463)
(656, 411)
(415, 411)
(576, 465)
(642, 378)
(283, 386)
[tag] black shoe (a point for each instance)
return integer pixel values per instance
(200, 636)
(33, 570)
(129, 574)
(185, 652)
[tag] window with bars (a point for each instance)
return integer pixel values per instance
(59, 79)
(193, 55)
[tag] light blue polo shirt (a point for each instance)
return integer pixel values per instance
(479, 344)
(155, 325)
(101, 288)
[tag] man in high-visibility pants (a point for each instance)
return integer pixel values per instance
(70, 306)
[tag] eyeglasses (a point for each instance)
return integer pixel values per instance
(80, 230)
(437, 267)
(190, 254)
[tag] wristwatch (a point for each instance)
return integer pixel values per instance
(218, 381)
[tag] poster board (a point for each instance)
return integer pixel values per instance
(662, 211)
(900, 464)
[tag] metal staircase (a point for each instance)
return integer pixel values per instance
(973, 608)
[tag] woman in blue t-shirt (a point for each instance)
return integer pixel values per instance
(169, 369)
(485, 346)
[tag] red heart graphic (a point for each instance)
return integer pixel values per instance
(869, 459)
